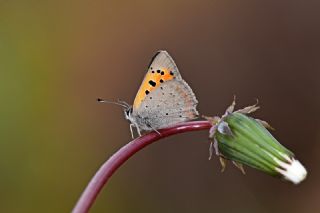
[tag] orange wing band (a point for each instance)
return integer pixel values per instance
(152, 80)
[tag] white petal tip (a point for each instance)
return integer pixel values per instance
(294, 172)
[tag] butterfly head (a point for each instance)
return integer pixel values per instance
(127, 112)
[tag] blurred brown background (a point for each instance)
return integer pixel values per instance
(57, 57)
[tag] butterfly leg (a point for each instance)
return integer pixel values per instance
(157, 131)
(138, 130)
(131, 130)
(154, 129)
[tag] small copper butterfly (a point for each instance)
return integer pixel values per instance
(164, 98)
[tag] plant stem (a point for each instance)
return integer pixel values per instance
(117, 159)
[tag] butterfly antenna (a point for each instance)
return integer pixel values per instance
(123, 104)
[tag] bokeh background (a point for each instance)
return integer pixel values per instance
(57, 57)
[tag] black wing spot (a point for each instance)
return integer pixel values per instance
(171, 73)
(180, 116)
(152, 71)
(146, 106)
(158, 71)
(161, 88)
(161, 81)
(150, 97)
(162, 73)
(152, 83)
(167, 114)
(163, 93)
(147, 92)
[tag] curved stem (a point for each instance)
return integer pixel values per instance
(117, 159)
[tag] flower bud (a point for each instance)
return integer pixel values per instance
(245, 140)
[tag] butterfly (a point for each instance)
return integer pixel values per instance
(163, 99)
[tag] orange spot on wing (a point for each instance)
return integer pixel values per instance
(146, 86)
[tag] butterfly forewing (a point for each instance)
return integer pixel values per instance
(161, 69)
(162, 60)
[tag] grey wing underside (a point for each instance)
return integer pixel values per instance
(173, 102)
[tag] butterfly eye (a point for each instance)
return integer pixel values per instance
(129, 111)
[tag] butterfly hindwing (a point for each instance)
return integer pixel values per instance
(172, 102)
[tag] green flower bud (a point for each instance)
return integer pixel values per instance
(245, 140)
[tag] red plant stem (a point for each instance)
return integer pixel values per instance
(122, 155)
